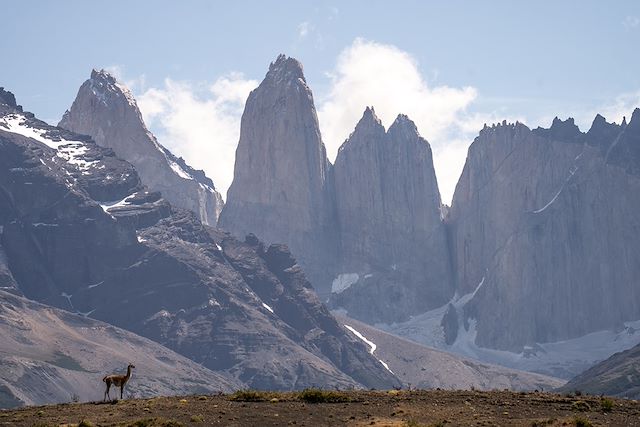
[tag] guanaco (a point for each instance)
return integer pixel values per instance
(117, 380)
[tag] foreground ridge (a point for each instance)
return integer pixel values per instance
(377, 408)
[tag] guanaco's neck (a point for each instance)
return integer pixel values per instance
(128, 372)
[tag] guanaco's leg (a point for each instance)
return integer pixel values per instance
(106, 393)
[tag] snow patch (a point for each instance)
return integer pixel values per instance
(95, 285)
(371, 344)
(178, 170)
(572, 172)
(73, 152)
(562, 359)
(68, 298)
(17, 123)
(343, 281)
(267, 307)
(116, 203)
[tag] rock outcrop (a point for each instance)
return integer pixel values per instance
(119, 253)
(282, 185)
(105, 110)
(392, 239)
(616, 376)
(545, 232)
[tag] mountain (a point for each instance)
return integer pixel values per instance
(105, 110)
(80, 232)
(535, 255)
(368, 230)
(282, 184)
(50, 355)
(424, 367)
(545, 232)
(617, 376)
(394, 257)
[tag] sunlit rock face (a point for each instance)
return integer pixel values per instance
(282, 186)
(389, 214)
(545, 232)
(105, 110)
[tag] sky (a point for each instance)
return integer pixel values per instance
(451, 66)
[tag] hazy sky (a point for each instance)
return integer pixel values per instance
(449, 65)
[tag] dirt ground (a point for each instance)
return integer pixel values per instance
(371, 408)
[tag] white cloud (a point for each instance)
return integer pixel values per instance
(303, 29)
(389, 79)
(631, 22)
(200, 122)
(622, 106)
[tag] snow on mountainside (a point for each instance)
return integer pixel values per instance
(425, 367)
(107, 111)
(561, 359)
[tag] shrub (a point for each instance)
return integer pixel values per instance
(249, 396)
(85, 423)
(582, 422)
(314, 395)
(606, 404)
(197, 419)
(580, 405)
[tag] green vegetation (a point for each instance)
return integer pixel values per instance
(86, 423)
(580, 405)
(314, 395)
(197, 419)
(606, 404)
(582, 422)
(250, 396)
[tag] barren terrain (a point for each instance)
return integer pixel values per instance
(376, 408)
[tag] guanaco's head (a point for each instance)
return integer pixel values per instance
(131, 366)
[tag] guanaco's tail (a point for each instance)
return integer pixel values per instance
(105, 378)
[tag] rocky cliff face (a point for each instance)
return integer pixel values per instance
(394, 258)
(81, 233)
(281, 189)
(545, 232)
(105, 110)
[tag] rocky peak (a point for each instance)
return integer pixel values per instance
(280, 190)
(565, 131)
(102, 76)
(625, 150)
(285, 69)
(602, 133)
(388, 210)
(404, 126)
(368, 129)
(107, 111)
(634, 123)
(107, 89)
(7, 98)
